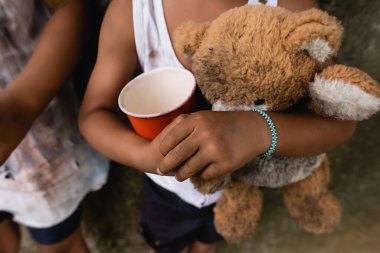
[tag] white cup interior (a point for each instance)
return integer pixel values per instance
(157, 92)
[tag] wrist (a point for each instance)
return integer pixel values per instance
(146, 156)
(267, 138)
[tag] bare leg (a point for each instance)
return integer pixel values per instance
(75, 243)
(311, 204)
(10, 237)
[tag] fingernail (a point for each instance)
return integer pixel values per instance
(159, 172)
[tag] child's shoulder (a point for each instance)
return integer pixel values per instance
(119, 15)
(120, 8)
(117, 27)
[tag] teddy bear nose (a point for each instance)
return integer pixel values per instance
(260, 101)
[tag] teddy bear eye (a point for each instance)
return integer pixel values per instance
(260, 101)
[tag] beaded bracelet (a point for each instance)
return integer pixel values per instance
(273, 131)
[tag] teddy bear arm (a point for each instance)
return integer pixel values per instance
(344, 93)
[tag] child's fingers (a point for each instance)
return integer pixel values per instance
(169, 127)
(178, 155)
(212, 171)
(179, 131)
(192, 166)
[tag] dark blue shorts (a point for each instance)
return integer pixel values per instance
(54, 234)
(169, 224)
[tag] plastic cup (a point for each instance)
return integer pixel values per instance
(153, 99)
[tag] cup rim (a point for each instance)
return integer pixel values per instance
(153, 115)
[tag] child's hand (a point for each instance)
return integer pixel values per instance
(215, 142)
(149, 156)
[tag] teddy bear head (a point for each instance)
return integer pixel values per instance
(258, 56)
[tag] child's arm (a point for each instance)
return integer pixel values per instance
(50, 65)
(298, 5)
(221, 142)
(99, 120)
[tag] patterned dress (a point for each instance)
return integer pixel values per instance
(53, 168)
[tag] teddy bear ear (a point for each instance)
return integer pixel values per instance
(188, 37)
(313, 31)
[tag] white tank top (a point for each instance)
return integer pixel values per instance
(155, 50)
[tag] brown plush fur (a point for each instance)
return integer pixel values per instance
(260, 53)
(240, 68)
(192, 34)
(311, 204)
(211, 186)
(238, 218)
(352, 76)
(302, 27)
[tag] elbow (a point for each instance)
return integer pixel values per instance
(347, 130)
(82, 119)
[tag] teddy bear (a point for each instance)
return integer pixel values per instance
(272, 59)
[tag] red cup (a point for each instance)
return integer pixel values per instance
(153, 99)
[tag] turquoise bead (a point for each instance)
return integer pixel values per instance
(273, 131)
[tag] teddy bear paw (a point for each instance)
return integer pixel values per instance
(317, 216)
(210, 185)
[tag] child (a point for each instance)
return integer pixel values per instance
(175, 217)
(46, 167)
